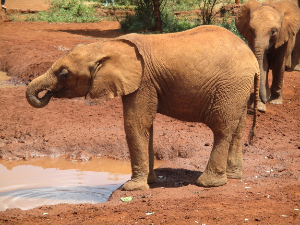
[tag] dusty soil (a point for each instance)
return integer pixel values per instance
(269, 192)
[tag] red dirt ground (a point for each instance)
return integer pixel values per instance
(269, 192)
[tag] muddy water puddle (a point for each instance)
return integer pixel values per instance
(46, 181)
(4, 80)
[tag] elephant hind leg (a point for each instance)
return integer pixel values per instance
(151, 176)
(235, 155)
(215, 173)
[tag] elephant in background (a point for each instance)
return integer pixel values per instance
(201, 75)
(295, 57)
(270, 29)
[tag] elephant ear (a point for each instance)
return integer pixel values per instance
(140, 41)
(290, 23)
(242, 20)
(118, 71)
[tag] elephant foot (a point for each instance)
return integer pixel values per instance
(151, 177)
(134, 185)
(234, 174)
(211, 180)
(261, 107)
(297, 68)
(277, 101)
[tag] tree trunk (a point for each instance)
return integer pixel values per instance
(158, 21)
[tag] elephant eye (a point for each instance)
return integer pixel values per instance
(101, 61)
(64, 73)
(98, 65)
(273, 32)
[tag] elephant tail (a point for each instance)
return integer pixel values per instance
(256, 99)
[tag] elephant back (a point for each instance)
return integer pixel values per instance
(203, 47)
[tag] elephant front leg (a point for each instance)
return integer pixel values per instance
(278, 73)
(138, 143)
(260, 105)
(276, 88)
(138, 122)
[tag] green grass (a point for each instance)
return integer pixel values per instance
(70, 11)
(183, 5)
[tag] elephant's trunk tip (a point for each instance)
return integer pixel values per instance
(35, 101)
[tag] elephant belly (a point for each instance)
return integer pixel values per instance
(220, 99)
(183, 109)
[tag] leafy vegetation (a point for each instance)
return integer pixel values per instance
(143, 18)
(229, 24)
(172, 24)
(67, 11)
(207, 11)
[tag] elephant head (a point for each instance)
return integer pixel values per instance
(99, 71)
(270, 29)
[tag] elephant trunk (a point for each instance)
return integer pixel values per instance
(264, 90)
(45, 82)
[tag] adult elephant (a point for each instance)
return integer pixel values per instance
(192, 76)
(270, 29)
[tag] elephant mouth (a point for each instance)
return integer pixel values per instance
(56, 93)
(65, 93)
(45, 94)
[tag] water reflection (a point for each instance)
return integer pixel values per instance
(4, 80)
(53, 181)
(33, 197)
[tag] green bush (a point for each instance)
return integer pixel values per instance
(183, 5)
(67, 11)
(143, 20)
(172, 24)
(229, 24)
(207, 11)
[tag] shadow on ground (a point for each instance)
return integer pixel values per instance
(170, 177)
(94, 33)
